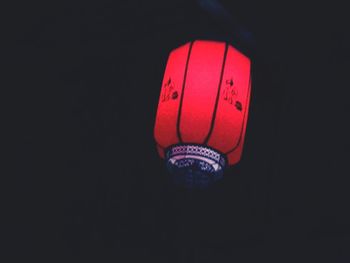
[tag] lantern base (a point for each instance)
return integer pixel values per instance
(195, 166)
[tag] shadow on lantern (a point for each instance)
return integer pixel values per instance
(202, 111)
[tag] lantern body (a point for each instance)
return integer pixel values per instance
(203, 108)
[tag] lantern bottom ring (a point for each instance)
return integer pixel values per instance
(195, 165)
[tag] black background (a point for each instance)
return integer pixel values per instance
(89, 184)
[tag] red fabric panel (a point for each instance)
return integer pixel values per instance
(235, 155)
(165, 130)
(232, 111)
(203, 75)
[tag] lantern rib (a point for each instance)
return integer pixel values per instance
(182, 93)
(217, 96)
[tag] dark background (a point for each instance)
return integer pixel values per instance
(89, 184)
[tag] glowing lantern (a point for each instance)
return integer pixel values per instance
(202, 111)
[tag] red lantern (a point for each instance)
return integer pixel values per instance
(203, 109)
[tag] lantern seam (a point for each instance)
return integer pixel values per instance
(213, 118)
(182, 93)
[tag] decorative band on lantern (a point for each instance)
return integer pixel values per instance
(195, 165)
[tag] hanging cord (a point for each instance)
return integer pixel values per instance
(237, 33)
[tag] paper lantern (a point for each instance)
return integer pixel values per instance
(202, 111)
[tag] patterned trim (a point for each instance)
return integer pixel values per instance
(200, 151)
(195, 165)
